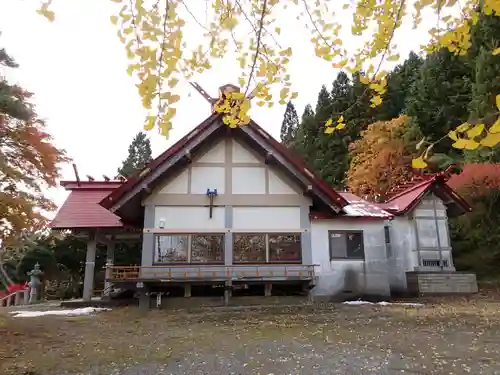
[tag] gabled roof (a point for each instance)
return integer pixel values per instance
(132, 187)
(82, 210)
(404, 201)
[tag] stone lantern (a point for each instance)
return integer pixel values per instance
(34, 283)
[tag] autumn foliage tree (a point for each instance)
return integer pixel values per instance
(381, 158)
(28, 164)
(475, 235)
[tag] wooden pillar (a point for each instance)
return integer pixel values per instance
(88, 281)
(144, 298)
(110, 260)
(187, 290)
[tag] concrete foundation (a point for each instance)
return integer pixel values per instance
(441, 282)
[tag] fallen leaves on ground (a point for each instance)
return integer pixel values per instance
(458, 335)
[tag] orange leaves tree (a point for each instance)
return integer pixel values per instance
(381, 158)
(475, 235)
(28, 164)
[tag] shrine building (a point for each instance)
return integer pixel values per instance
(233, 208)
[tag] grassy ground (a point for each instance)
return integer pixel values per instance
(449, 336)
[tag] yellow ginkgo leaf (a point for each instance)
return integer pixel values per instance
(261, 103)
(475, 131)
(328, 123)
(495, 128)
(467, 144)
(418, 163)
(329, 130)
(376, 100)
(464, 127)
(340, 126)
(498, 101)
(496, 51)
(341, 119)
(491, 140)
(453, 135)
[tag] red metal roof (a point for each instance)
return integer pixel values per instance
(318, 183)
(82, 209)
(358, 207)
(404, 201)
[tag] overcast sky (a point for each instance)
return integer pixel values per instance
(76, 66)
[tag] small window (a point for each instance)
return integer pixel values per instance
(346, 245)
(388, 248)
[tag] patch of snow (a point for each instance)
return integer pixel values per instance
(74, 312)
(384, 303)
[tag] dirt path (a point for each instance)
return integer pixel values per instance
(455, 337)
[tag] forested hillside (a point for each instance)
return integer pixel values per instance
(427, 96)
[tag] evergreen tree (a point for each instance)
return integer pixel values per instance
(289, 125)
(332, 160)
(486, 81)
(399, 85)
(439, 98)
(306, 135)
(139, 155)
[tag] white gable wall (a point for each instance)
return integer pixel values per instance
(405, 249)
(251, 196)
(335, 276)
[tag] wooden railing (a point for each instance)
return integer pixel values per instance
(212, 272)
(17, 298)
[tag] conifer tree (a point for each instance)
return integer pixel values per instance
(439, 99)
(289, 125)
(139, 155)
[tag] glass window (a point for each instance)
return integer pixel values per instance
(346, 245)
(171, 249)
(284, 248)
(249, 248)
(207, 248)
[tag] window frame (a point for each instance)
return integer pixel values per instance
(267, 247)
(189, 249)
(345, 233)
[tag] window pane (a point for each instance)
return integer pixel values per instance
(337, 245)
(443, 233)
(171, 249)
(249, 248)
(284, 248)
(427, 235)
(355, 245)
(207, 248)
(387, 233)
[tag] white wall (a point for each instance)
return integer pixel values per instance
(249, 180)
(277, 184)
(271, 218)
(372, 273)
(403, 255)
(242, 155)
(179, 217)
(203, 178)
(217, 154)
(179, 185)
